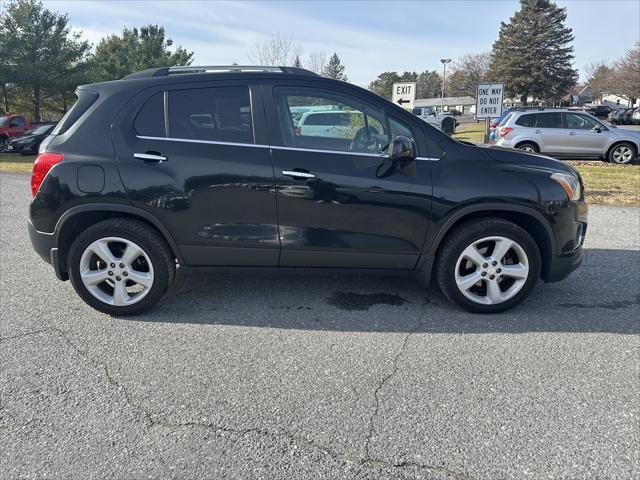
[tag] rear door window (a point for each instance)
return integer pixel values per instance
(218, 114)
(549, 120)
(150, 119)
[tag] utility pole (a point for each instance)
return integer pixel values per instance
(444, 80)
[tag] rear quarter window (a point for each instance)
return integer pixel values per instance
(504, 121)
(150, 119)
(528, 120)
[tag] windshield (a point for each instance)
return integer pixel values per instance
(3, 120)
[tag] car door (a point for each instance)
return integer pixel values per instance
(341, 202)
(195, 156)
(585, 137)
(549, 133)
(16, 127)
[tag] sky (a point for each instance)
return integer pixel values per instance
(369, 36)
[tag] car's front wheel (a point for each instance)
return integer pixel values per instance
(622, 153)
(120, 266)
(488, 265)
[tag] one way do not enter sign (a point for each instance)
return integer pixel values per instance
(404, 94)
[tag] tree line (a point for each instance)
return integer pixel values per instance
(43, 60)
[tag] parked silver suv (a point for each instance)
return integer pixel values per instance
(567, 133)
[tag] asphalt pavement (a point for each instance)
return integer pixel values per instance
(294, 376)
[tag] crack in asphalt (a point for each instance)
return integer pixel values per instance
(381, 384)
(368, 461)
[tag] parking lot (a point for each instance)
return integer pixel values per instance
(263, 376)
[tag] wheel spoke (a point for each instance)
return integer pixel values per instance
(130, 254)
(518, 271)
(501, 248)
(94, 277)
(494, 294)
(101, 249)
(142, 278)
(120, 295)
(472, 253)
(468, 281)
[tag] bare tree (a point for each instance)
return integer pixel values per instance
(317, 62)
(627, 74)
(468, 71)
(277, 50)
(599, 78)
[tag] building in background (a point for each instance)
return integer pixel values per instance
(464, 105)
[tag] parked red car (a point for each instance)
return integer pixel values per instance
(12, 126)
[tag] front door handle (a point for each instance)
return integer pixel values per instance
(537, 131)
(571, 134)
(150, 157)
(298, 175)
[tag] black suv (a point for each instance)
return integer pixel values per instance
(209, 167)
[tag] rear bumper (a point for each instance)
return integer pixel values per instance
(45, 245)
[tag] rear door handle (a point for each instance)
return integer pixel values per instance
(150, 157)
(571, 134)
(300, 175)
(537, 131)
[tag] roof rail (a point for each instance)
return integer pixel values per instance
(190, 69)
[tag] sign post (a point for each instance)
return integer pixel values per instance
(489, 99)
(404, 94)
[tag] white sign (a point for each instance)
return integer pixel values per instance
(489, 100)
(404, 94)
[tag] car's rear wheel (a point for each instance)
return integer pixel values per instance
(488, 265)
(120, 266)
(528, 147)
(622, 153)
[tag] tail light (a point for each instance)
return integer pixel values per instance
(493, 124)
(44, 162)
(504, 131)
(298, 131)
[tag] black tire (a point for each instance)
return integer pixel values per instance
(468, 233)
(448, 126)
(154, 246)
(3, 144)
(616, 147)
(528, 145)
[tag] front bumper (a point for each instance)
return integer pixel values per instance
(570, 230)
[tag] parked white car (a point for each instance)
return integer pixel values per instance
(330, 123)
(443, 121)
(567, 134)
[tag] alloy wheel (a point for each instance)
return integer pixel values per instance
(528, 149)
(116, 271)
(492, 270)
(622, 154)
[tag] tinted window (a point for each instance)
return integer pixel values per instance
(215, 114)
(150, 119)
(18, 122)
(399, 129)
(331, 121)
(528, 120)
(549, 120)
(580, 122)
(85, 100)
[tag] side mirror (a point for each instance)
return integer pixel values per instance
(402, 148)
(597, 129)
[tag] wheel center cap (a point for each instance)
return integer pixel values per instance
(491, 271)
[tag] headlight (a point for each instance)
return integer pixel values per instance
(570, 183)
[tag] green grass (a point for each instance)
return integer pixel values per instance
(16, 163)
(470, 132)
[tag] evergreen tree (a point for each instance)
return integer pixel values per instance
(39, 54)
(118, 56)
(533, 53)
(383, 85)
(296, 62)
(428, 85)
(335, 69)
